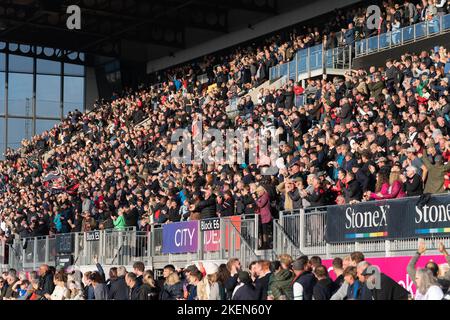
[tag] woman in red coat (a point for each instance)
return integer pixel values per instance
(263, 209)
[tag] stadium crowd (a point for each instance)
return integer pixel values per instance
(283, 279)
(380, 133)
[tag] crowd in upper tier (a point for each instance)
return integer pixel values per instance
(380, 133)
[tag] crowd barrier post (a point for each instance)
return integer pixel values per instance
(296, 66)
(200, 239)
(387, 245)
(302, 230)
(47, 250)
(35, 254)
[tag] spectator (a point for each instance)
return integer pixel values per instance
(172, 289)
(134, 289)
(60, 292)
(262, 281)
(412, 182)
(444, 280)
(427, 288)
(388, 288)
(304, 281)
(244, 290)
(325, 287)
(280, 283)
(118, 288)
(138, 269)
(356, 290)
(46, 285)
(100, 289)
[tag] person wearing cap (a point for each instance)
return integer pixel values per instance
(210, 288)
(245, 289)
(303, 282)
(388, 288)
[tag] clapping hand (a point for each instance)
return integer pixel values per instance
(442, 249)
(422, 248)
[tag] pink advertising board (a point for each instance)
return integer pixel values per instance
(395, 267)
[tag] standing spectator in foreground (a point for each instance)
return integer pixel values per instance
(60, 292)
(138, 269)
(46, 284)
(244, 290)
(356, 290)
(149, 289)
(133, 286)
(100, 289)
(118, 289)
(338, 271)
(233, 266)
(427, 288)
(355, 258)
(388, 288)
(262, 281)
(173, 288)
(304, 281)
(443, 281)
(280, 283)
(324, 288)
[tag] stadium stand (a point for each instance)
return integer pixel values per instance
(378, 134)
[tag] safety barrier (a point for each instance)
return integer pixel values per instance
(317, 58)
(412, 33)
(303, 232)
(310, 60)
(236, 236)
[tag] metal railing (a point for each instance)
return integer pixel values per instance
(303, 232)
(317, 58)
(238, 238)
(313, 59)
(412, 33)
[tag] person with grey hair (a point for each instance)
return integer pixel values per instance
(427, 288)
(412, 182)
(118, 287)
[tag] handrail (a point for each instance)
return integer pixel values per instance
(397, 37)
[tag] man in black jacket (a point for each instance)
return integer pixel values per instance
(119, 288)
(353, 190)
(46, 285)
(262, 281)
(244, 290)
(413, 184)
(304, 281)
(325, 287)
(388, 289)
(133, 291)
(207, 207)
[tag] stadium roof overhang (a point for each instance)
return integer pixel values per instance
(133, 29)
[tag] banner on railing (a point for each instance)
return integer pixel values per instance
(211, 238)
(181, 237)
(398, 219)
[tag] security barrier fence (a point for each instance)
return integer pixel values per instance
(233, 237)
(305, 231)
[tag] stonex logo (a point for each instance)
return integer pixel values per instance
(367, 219)
(433, 213)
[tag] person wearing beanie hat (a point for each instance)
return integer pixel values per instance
(209, 288)
(244, 290)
